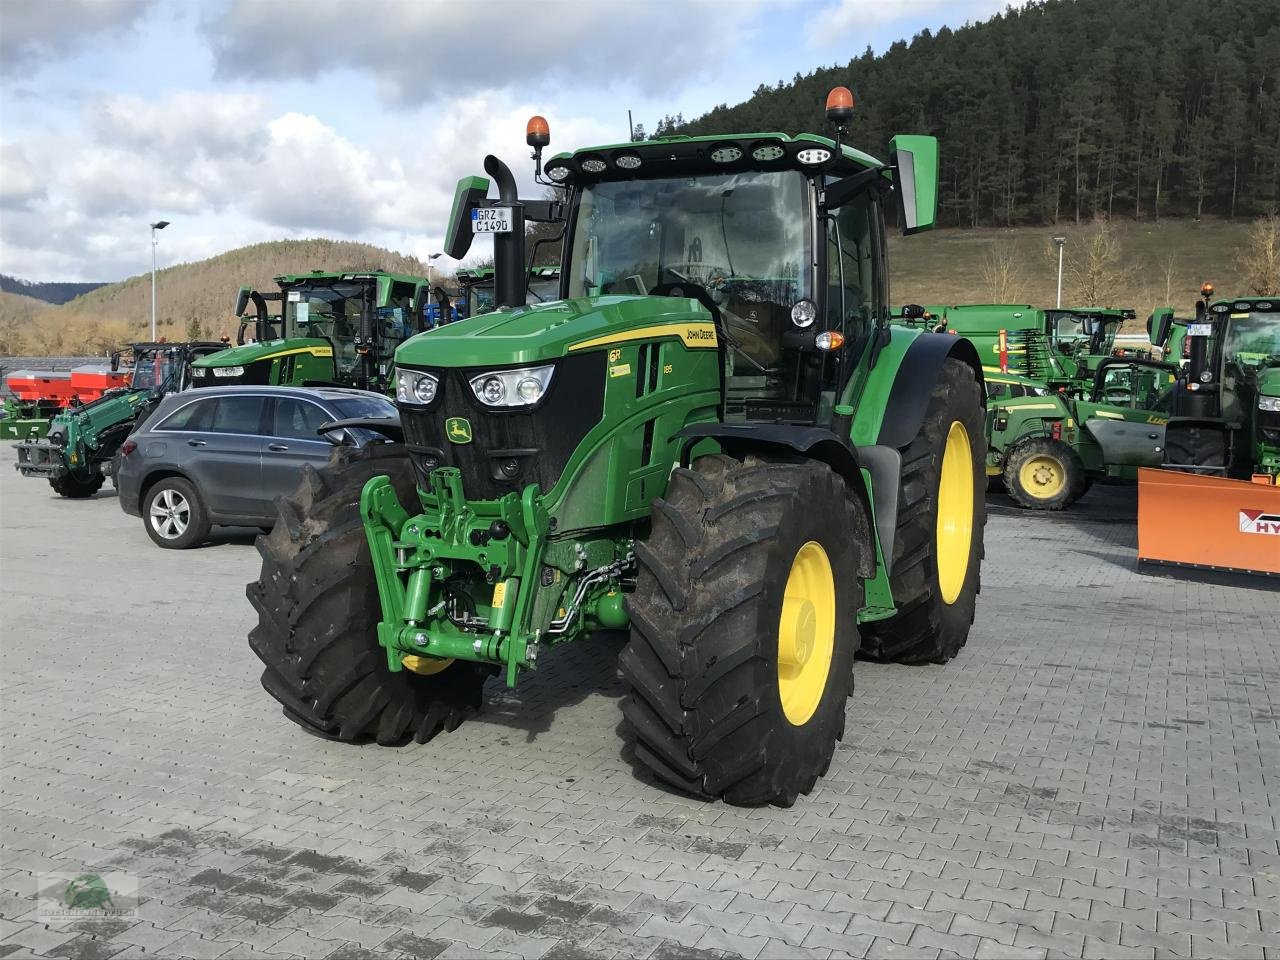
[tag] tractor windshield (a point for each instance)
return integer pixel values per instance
(1085, 333)
(744, 237)
(1252, 339)
(1250, 342)
(329, 311)
(544, 291)
(154, 368)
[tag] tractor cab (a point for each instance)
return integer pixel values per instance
(330, 328)
(781, 240)
(1227, 406)
(1081, 333)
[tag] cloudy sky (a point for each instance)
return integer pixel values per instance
(250, 120)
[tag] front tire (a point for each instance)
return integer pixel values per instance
(76, 487)
(744, 629)
(937, 548)
(318, 610)
(1044, 474)
(174, 514)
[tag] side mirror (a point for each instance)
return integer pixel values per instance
(115, 361)
(469, 192)
(915, 164)
(1158, 326)
(242, 301)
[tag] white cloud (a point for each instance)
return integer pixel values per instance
(840, 21)
(227, 173)
(418, 49)
(32, 30)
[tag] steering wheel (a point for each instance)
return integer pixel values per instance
(694, 291)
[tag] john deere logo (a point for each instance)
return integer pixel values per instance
(458, 430)
(87, 892)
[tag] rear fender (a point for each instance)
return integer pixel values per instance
(889, 409)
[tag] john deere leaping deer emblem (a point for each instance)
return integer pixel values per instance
(458, 430)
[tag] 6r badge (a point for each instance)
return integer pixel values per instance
(458, 430)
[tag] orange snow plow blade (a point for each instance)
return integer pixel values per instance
(1209, 522)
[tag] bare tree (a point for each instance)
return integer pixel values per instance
(1260, 259)
(1096, 276)
(1002, 273)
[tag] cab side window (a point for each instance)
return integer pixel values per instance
(853, 237)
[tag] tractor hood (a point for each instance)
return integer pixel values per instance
(1269, 382)
(546, 331)
(268, 350)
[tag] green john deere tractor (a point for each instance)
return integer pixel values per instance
(714, 440)
(332, 328)
(79, 451)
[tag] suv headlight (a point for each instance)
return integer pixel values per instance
(512, 388)
(228, 371)
(1270, 404)
(416, 388)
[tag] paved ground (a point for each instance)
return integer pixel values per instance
(1096, 775)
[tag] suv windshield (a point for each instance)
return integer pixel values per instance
(744, 237)
(153, 368)
(330, 311)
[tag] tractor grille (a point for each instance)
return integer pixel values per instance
(1269, 426)
(509, 448)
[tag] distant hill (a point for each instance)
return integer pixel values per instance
(45, 292)
(194, 300)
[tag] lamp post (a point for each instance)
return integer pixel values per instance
(1059, 242)
(158, 225)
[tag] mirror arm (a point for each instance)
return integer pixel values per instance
(842, 191)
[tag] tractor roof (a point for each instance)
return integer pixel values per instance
(727, 153)
(1115, 313)
(1246, 305)
(322, 276)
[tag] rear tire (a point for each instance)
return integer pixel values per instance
(935, 605)
(318, 609)
(75, 487)
(744, 629)
(174, 514)
(1044, 474)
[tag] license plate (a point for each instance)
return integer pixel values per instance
(491, 220)
(1199, 329)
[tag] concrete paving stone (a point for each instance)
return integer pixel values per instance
(1052, 790)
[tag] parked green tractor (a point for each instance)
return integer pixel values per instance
(79, 451)
(715, 440)
(331, 328)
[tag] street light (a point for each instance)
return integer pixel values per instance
(1059, 242)
(158, 225)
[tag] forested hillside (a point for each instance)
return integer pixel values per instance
(1066, 109)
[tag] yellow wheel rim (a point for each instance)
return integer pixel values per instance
(1042, 477)
(955, 512)
(426, 666)
(806, 633)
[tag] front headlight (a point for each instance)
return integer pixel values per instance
(228, 371)
(199, 371)
(1269, 404)
(416, 388)
(512, 388)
